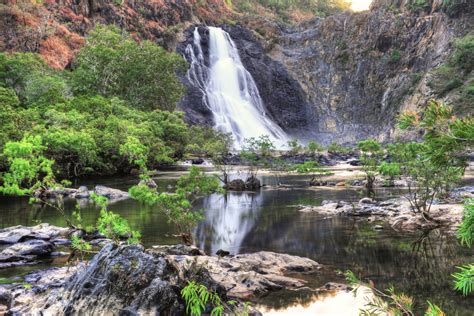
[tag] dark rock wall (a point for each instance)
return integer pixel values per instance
(360, 70)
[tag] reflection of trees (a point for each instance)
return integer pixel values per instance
(228, 219)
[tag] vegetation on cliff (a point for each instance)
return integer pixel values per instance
(120, 94)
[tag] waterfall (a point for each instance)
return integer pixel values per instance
(230, 91)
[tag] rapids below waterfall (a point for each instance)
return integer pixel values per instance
(229, 90)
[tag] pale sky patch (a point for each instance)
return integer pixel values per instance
(360, 5)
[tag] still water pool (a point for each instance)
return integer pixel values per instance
(415, 263)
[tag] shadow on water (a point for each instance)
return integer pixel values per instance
(419, 265)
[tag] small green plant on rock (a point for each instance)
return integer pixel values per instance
(198, 298)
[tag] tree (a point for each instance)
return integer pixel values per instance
(313, 147)
(258, 153)
(177, 207)
(371, 156)
(113, 64)
(295, 146)
(390, 170)
(434, 166)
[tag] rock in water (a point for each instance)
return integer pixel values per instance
(111, 194)
(235, 185)
(252, 183)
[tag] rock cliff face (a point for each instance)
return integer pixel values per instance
(359, 70)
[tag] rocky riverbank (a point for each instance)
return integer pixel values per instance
(130, 280)
(398, 213)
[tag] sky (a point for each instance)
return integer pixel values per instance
(360, 5)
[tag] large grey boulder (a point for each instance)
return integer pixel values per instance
(111, 194)
(16, 234)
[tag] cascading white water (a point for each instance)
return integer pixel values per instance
(230, 91)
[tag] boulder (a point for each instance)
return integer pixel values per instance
(36, 248)
(82, 193)
(6, 297)
(16, 234)
(149, 183)
(252, 183)
(111, 194)
(235, 185)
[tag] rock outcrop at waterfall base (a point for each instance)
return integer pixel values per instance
(129, 280)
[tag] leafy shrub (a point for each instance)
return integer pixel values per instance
(113, 64)
(419, 5)
(198, 297)
(177, 207)
(395, 56)
(371, 156)
(335, 148)
(112, 225)
(295, 146)
(314, 147)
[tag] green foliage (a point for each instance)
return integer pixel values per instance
(465, 231)
(464, 279)
(456, 77)
(390, 169)
(28, 169)
(178, 206)
(198, 297)
(335, 148)
(80, 245)
(395, 56)
(313, 168)
(435, 165)
(388, 302)
(135, 151)
(463, 57)
(433, 310)
(87, 133)
(418, 5)
(314, 147)
(214, 144)
(257, 152)
(113, 64)
(284, 9)
(371, 156)
(112, 225)
(295, 146)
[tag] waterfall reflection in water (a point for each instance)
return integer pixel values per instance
(228, 220)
